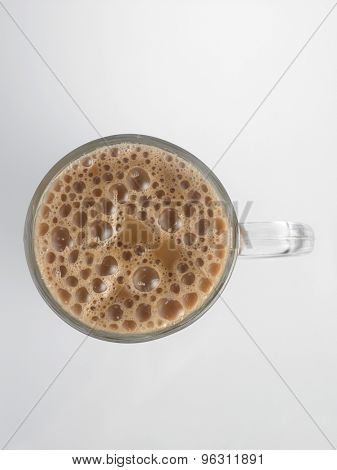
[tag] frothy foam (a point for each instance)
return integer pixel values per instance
(130, 238)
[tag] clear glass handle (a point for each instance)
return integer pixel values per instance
(269, 239)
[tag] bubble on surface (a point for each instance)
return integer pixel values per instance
(175, 288)
(169, 309)
(101, 230)
(139, 250)
(190, 300)
(88, 202)
(121, 192)
(76, 309)
(107, 177)
(106, 206)
(89, 258)
(129, 325)
(205, 285)
(45, 212)
(97, 192)
(189, 238)
(50, 257)
(64, 296)
(63, 270)
(82, 295)
(127, 255)
(85, 273)
(72, 281)
(73, 256)
(219, 226)
(80, 219)
(202, 226)
(188, 278)
(87, 162)
(114, 312)
(138, 179)
(143, 312)
(49, 198)
(78, 187)
(145, 279)
(220, 251)
(43, 229)
(60, 238)
(189, 209)
(98, 285)
(108, 266)
(169, 220)
(65, 210)
(194, 195)
(214, 269)
(182, 267)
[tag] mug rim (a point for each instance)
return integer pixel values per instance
(163, 145)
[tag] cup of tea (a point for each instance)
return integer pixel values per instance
(130, 238)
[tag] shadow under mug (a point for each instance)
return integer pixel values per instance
(249, 240)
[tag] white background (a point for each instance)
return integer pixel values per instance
(192, 73)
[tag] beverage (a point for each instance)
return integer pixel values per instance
(130, 238)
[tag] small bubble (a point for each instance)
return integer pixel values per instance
(145, 279)
(98, 286)
(189, 238)
(182, 267)
(76, 309)
(64, 296)
(97, 192)
(129, 325)
(190, 300)
(175, 288)
(169, 309)
(143, 312)
(82, 295)
(43, 229)
(188, 278)
(128, 303)
(72, 281)
(114, 312)
(50, 257)
(85, 273)
(78, 186)
(214, 269)
(184, 184)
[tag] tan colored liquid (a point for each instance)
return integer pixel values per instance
(130, 238)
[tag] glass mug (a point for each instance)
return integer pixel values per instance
(249, 240)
